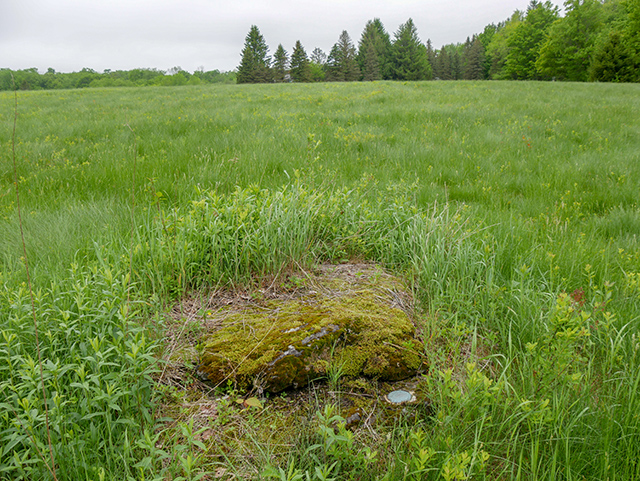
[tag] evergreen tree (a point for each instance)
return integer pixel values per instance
(383, 49)
(409, 55)
(614, 61)
(300, 68)
(254, 66)
(474, 62)
(464, 58)
(443, 65)
(280, 64)
(342, 60)
(371, 68)
(431, 55)
(449, 64)
(527, 40)
(334, 72)
(348, 61)
(456, 63)
(374, 35)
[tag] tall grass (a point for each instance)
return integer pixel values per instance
(511, 208)
(540, 153)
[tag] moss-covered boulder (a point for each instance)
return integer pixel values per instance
(350, 320)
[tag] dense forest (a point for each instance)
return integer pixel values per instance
(595, 40)
(30, 79)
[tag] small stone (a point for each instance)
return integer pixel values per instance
(353, 419)
(400, 397)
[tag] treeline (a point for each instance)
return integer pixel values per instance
(595, 40)
(30, 79)
(377, 57)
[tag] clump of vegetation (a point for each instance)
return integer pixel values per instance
(31, 79)
(97, 369)
(285, 343)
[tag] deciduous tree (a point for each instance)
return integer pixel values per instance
(498, 48)
(568, 50)
(527, 40)
(317, 62)
(318, 56)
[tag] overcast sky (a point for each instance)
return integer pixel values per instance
(68, 35)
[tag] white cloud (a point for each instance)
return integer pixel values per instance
(123, 34)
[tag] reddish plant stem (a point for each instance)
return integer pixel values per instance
(133, 206)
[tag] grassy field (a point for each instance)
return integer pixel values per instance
(512, 209)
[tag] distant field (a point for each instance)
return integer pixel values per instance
(532, 191)
(548, 152)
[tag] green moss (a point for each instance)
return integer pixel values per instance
(286, 343)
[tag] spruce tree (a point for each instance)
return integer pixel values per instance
(464, 58)
(384, 50)
(300, 69)
(431, 55)
(474, 61)
(255, 64)
(348, 63)
(409, 55)
(456, 62)
(371, 67)
(334, 72)
(280, 64)
(342, 65)
(443, 65)
(614, 61)
(375, 34)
